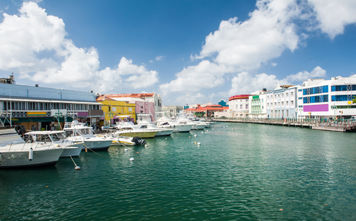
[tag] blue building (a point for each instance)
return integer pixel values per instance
(40, 108)
(223, 103)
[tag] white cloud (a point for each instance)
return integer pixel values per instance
(35, 45)
(265, 35)
(240, 46)
(159, 58)
(245, 82)
(204, 75)
(299, 77)
(334, 15)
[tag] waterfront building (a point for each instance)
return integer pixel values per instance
(239, 106)
(171, 111)
(208, 110)
(318, 98)
(145, 103)
(42, 108)
(115, 110)
(282, 102)
(257, 104)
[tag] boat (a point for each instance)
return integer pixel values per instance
(144, 122)
(78, 132)
(130, 130)
(70, 148)
(178, 125)
(15, 152)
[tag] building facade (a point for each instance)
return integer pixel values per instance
(171, 111)
(40, 108)
(239, 106)
(327, 98)
(257, 105)
(282, 102)
(117, 110)
(145, 103)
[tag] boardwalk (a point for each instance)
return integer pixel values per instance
(339, 126)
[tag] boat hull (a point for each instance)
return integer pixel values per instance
(72, 151)
(182, 128)
(97, 145)
(161, 133)
(43, 157)
(138, 134)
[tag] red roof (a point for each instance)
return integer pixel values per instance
(111, 96)
(207, 108)
(240, 96)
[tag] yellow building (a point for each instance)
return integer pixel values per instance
(113, 110)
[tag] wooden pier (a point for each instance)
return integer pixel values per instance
(338, 126)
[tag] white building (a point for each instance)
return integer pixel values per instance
(282, 102)
(239, 106)
(257, 105)
(320, 98)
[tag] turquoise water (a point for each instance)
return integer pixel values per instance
(239, 172)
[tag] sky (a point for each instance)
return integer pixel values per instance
(188, 51)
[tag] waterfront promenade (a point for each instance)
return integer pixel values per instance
(329, 125)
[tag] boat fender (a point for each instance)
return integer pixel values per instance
(30, 154)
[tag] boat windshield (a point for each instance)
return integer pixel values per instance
(58, 137)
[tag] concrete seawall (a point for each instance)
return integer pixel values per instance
(346, 126)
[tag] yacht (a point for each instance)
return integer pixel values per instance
(77, 132)
(70, 148)
(144, 122)
(177, 125)
(131, 130)
(15, 152)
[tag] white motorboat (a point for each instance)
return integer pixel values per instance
(131, 130)
(70, 148)
(79, 133)
(177, 126)
(144, 121)
(15, 152)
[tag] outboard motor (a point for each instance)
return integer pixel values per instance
(138, 141)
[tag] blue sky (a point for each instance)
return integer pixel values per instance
(189, 51)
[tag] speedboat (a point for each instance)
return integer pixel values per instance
(79, 133)
(144, 121)
(179, 125)
(130, 130)
(15, 152)
(70, 148)
(160, 130)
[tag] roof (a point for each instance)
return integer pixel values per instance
(240, 96)
(214, 107)
(112, 96)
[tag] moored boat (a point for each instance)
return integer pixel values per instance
(15, 152)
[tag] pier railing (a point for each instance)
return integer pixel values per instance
(319, 124)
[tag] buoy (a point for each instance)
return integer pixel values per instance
(198, 143)
(195, 135)
(280, 209)
(30, 154)
(126, 149)
(132, 159)
(77, 167)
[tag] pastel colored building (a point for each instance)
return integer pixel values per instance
(257, 105)
(239, 106)
(282, 102)
(116, 110)
(145, 103)
(318, 98)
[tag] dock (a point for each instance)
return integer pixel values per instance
(337, 126)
